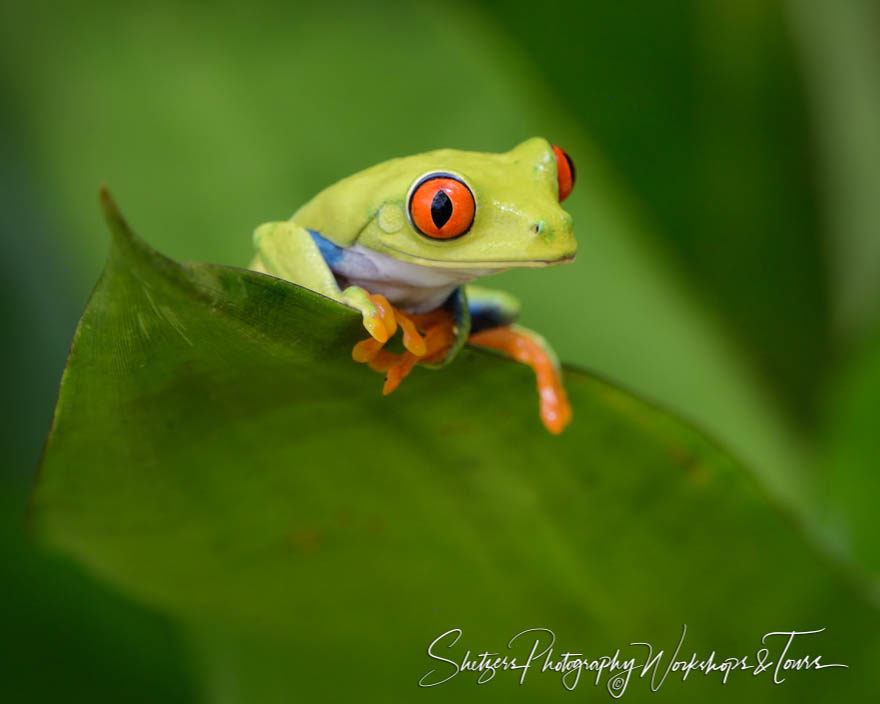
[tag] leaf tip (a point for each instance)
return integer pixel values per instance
(108, 205)
(118, 227)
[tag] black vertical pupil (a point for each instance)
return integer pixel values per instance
(441, 208)
(570, 166)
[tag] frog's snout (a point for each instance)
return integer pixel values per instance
(553, 239)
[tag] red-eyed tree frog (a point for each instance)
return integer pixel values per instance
(400, 242)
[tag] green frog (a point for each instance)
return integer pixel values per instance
(402, 242)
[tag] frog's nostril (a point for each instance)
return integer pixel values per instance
(538, 227)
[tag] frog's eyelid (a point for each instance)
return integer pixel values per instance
(430, 176)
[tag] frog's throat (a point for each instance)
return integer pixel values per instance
(497, 265)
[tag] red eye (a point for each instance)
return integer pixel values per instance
(564, 172)
(442, 206)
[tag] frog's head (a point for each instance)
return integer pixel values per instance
(455, 209)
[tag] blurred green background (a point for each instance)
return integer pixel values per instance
(727, 205)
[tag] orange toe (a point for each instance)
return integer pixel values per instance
(399, 371)
(383, 361)
(412, 340)
(386, 313)
(366, 350)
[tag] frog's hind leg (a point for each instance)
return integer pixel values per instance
(492, 325)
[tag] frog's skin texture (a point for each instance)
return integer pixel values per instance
(401, 241)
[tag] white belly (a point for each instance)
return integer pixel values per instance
(411, 287)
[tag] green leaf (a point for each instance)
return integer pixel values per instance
(236, 122)
(217, 455)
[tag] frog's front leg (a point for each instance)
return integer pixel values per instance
(288, 251)
(492, 325)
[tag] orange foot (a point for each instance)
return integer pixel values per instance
(427, 337)
(525, 348)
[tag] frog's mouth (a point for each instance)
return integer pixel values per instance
(495, 264)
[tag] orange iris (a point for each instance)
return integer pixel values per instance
(442, 207)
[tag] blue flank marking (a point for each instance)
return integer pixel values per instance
(485, 315)
(332, 253)
(479, 307)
